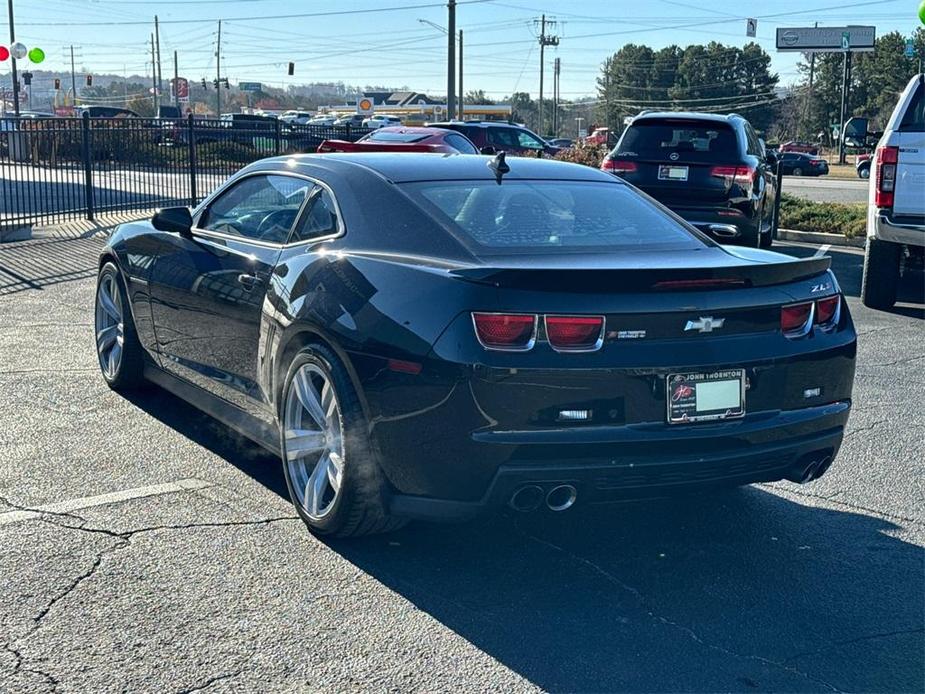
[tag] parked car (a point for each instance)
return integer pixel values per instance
(600, 136)
(799, 164)
(404, 139)
(381, 121)
(710, 169)
(862, 165)
(492, 136)
(896, 203)
(354, 120)
(568, 340)
(803, 147)
(296, 117)
(322, 119)
(560, 142)
(241, 128)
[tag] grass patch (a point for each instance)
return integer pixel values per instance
(850, 220)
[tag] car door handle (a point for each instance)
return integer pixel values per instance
(247, 281)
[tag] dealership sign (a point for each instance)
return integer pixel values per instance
(825, 39)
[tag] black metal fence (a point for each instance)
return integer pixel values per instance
(56, 169)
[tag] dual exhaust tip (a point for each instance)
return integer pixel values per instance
(812, 470)
(529, 498)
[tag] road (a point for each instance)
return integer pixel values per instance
(161, 553)
(826, 189)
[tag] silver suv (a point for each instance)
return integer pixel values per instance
(896, 204)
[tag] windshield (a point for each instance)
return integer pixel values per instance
(551, 216)
(392, 136)
(696, 140)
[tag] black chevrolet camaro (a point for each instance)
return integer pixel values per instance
(431, 336)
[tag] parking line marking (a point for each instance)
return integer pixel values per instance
(822, 250)
(103, 499)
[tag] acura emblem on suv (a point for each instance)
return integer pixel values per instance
(705, 324)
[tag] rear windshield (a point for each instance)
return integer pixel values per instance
(914, 117)
(697, 140)
(551, 216)
(379, 136)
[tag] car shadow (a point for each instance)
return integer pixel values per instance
(740, 590)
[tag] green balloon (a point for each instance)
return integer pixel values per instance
(37, 55)
(922, 11)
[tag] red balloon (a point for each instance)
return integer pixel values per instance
(4, 53)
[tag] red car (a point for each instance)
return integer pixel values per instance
(404, 139)
(803, 147)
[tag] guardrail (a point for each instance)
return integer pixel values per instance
(55, 169)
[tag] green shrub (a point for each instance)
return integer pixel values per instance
(580, 153)
(827, 217)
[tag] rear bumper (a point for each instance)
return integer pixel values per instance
(883, 227)
(790, 442)
(721, 223)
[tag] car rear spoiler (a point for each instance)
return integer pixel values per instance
(635, 279)
(344, 146)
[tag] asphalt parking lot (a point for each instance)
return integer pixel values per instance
(144, 547)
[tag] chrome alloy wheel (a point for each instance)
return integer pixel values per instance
(313, 446)
(110, 330)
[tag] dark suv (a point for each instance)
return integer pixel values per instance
(712, 170)
(491, 137)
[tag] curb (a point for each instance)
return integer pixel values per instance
(820, 238)
(75, 229)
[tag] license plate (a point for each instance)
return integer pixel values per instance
(703, 397)
(672, 173)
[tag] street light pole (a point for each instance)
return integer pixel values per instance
(460, 85)
(451, 59)
(9, 4)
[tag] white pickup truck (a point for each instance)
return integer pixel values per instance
(896, 204)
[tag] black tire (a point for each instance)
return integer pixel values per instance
(880, 281)
(864, 172)
(129, 374)
(361, 505)
(766, 239)
(797, 171)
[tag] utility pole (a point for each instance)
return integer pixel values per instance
(846, 76)
(73, 77)
(157, 42)
(812, 70)
(544, 41)
(15, 76)
(451, 59)
(555, 97)
(153, 74)
(176, 83)
(218, 72)
(461, 92)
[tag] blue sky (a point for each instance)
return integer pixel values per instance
(390, 46)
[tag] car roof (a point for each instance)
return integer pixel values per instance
(688, 115)
(413, 166)
(412, 129)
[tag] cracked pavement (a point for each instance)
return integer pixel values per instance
(218, 587)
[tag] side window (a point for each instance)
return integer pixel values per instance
(528, 141)
(502, 138)
(319, 220)
(460, 144)
(914, 118)
(751, 139)
(262, 208)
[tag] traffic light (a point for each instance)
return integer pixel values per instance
(89, 80)
(57, 84)
(27, 78)
(204, 83)
(291, 68)
(225, 82)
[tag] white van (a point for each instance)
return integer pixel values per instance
(896, 203)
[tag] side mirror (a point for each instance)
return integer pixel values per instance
(771, 158)
(177, 220)
(488, 150)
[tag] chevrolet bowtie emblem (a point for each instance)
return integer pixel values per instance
(705, 324)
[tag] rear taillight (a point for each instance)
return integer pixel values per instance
(575, 333)
(796, 319)
(742, 176)
(511, 332)
(616, 166)
(827, 310)
(886, 160)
